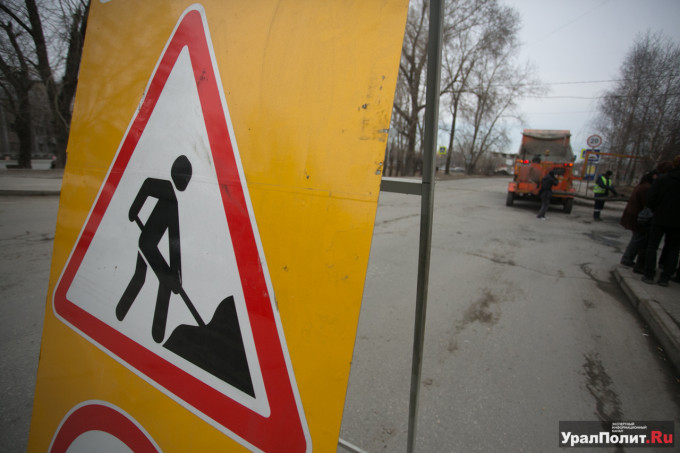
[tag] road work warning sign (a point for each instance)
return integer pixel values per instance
(202, 350)
(189, 302)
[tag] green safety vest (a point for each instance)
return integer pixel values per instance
(599, 189)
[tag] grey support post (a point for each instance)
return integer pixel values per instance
(434, 53)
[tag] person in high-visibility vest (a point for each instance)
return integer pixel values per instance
(603, 185)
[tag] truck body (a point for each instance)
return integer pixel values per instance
(542, 151)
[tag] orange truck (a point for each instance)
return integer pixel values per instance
(543, 151)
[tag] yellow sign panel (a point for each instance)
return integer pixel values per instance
(215, 224)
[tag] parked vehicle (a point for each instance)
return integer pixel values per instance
(542, 151)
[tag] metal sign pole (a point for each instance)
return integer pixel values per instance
(426, 207)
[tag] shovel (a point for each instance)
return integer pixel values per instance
(182, 293)
(216, 347)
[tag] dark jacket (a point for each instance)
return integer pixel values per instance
(664, 199)
(636, 203)
(547, 183)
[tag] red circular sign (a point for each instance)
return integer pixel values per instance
(104, 417)
(594, 141)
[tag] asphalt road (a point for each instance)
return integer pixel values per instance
(27, 227)
(525, 327)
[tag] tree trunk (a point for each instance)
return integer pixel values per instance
(59, 100)
(24, 131)
(410, 164)
(69, 83)
(451, 136)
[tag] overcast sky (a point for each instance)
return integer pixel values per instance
(577, 41)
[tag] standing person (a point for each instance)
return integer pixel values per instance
(603, 185)
(664, 200)
(164, 218)
(629, 220)
(545, 193)
(663, 168)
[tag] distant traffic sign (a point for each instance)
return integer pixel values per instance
(593, 155)
(594, 141)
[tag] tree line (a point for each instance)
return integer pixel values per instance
(482, 80)
(640, 115)
(481, 83)
(40, 49)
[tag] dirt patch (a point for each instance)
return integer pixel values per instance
(600, 385)
(608, 239)
(482, 311)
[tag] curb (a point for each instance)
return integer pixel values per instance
(664, 329)
(38, 193)
(588, 201)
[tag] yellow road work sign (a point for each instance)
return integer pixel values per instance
(215, 224)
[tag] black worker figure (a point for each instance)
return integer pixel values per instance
(217, 347)
(164, 217)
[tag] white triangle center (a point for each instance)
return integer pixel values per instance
(209, 272)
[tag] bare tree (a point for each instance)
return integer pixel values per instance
(493, 83)
(469, 32)
(409, 99)
(410, 85)
(494, 93)
(25, 61)
(641, 114)
(16, 84)
(480, 82)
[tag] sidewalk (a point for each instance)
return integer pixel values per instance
(30, 182)
(659, 307)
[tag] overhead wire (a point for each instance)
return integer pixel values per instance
(571, 21)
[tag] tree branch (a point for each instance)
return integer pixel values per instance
(16, 18)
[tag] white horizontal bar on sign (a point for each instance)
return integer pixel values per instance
(401, 185)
